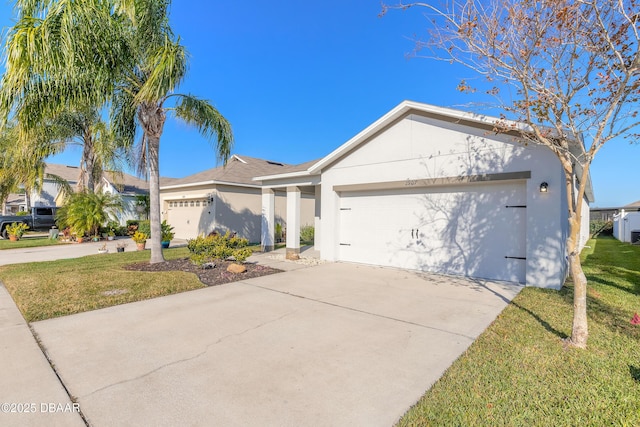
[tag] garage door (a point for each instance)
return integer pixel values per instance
(476, 230)
(188, 217)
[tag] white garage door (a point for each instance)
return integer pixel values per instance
(476, 230)
(188, 217)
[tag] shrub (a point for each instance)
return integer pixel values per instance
(600, 227)
(307, 234)
(22, 213)
(17, 229)
(144, 226)
(218, 247)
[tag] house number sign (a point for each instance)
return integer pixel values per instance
(410, 182)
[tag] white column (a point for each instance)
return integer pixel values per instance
(293, 223)
(268, 219)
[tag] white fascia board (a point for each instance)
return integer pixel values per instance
(404, 108)
(201, 183)
(283, 176)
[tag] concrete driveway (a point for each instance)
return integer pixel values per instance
(330, 345)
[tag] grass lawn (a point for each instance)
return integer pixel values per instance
(28, 242)
(43, 290)
(519, 374)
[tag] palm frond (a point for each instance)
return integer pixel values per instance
(209, 122)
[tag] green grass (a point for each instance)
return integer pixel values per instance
(28, 242)
(518, 373)
(45, 290)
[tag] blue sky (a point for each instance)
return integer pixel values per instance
(298, 79)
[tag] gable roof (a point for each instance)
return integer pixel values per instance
(126, 184)
(239, 170)
(123, 182)
(399, 112)
(632, 205)
(68, 173)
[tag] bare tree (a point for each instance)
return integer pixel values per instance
(568, 70)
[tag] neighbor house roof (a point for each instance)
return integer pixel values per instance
(127, 184)
(239, 170)
(632, 205)
(123, 182)
(68, 173)
(15, 199)
(402, 110)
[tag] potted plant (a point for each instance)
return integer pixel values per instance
(167, 234)
(120, 246)
(103, 249)
(278, 233)
(111, 234)
(16, 230)
(141, 239)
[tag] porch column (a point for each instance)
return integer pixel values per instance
(268, 219)
(293, 223)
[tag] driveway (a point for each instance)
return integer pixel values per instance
(329, 345)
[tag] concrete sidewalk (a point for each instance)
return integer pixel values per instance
(30, 392)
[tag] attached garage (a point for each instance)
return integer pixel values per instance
(434, 189)
(476, 230)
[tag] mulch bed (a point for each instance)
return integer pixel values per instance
(210, 277)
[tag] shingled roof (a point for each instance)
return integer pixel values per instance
(238, 170)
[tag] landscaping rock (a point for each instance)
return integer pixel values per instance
(236, 268)
(208, 265)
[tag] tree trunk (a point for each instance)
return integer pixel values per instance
(152, 118)
(154, 199)
(579, 331)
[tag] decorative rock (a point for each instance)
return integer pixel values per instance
(208, 266)
(236, 268)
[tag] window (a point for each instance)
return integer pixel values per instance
(181, 204)
(192, 204)
(44, 212)
(197, 203)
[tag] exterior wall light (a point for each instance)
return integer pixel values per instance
(544, 187)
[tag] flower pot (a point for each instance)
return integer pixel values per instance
(13, 238)
(103, 251)
(110, 237)
(141, 246)
(165, 244)
(120, 249)
(79, 239)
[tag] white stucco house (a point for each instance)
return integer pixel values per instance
(434, 189)
(626, 223)
(226, 198)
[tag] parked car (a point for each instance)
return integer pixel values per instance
(39, 219)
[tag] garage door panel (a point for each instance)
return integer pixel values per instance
(474, 230)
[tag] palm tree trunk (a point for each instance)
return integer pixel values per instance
(154, 198)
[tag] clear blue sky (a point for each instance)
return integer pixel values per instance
(297, 79)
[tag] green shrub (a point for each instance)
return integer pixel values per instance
(218, 247)
(307, 234)
(600, 228)
(22, 213)
(144, 226)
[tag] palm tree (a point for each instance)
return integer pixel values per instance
(65, 54)
(145, 96)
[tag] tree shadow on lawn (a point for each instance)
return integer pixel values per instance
(635, 372)
(542, 322)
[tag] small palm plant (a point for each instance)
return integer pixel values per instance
(85, 212)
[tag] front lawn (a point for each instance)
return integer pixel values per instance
(28, 242)
(43, 290)
(519, 374)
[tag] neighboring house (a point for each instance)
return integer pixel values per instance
(435, 189)
(128, 187)
(226, 199)
(14, 204)
(626, 223)
(607, 214)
